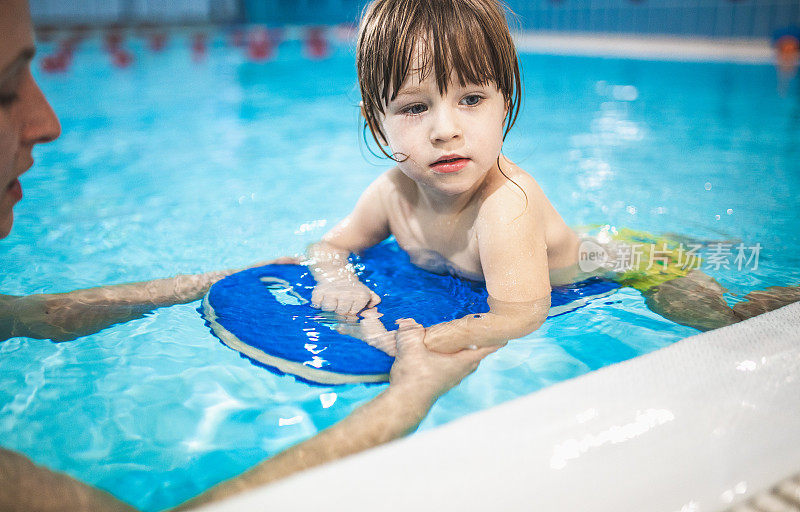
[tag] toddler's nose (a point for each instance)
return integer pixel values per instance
(445, 126)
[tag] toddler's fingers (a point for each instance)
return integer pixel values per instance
(355, 308)
(384, 342)
(343, 307)
(374, 299)
(370, 313)
(372, 326)
(349, 329)
(406, 323)
(409, 334)
(328, 303)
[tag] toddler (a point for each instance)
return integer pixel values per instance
(440, 88)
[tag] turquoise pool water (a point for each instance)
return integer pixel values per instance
(173, 166)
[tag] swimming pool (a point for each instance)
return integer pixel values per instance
(175, 166)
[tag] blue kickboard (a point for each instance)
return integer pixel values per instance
(268, 308)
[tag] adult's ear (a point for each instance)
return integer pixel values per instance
(361, 107)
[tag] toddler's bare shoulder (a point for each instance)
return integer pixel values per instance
(385, 184)
(518, 178)
(513, 191)
(394, 182)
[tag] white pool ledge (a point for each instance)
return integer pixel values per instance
(656, 47)
(695, 426)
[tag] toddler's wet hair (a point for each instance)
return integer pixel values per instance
(466, 39)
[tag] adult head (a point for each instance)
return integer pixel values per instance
(26, 118)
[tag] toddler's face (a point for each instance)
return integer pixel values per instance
(464, 125)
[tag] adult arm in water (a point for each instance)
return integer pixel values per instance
(67, 316)
(417, 379)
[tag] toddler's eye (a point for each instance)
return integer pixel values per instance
(415, 109)
(471, 100)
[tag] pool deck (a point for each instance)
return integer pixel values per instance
(748, 51)
(701, 425)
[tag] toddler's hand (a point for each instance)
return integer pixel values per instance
(371, 331)
(343, 297)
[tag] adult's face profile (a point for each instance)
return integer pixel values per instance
(26, 118)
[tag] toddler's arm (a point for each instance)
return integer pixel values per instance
(513, 255)
(338, 288)
(505, 321)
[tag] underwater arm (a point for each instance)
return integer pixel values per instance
(67, 316)
(417, 379)
(24, 486)
(338, 288)
(514, 260)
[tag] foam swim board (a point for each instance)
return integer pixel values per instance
(265, 314)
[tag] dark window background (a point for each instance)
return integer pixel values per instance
(705, 18)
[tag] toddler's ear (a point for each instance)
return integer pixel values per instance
(364, 115)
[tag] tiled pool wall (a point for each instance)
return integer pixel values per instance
(700, 18)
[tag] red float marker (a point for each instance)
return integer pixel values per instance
(199, 46)
(158, 41)
(316, 45)
(113, 40)
(787, 57)
(57, 63)
(121, 58)
(60, 61)
(260, 45)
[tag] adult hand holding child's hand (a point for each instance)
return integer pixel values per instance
(414, 361)
(431, 372)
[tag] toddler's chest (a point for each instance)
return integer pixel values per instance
(440, 246)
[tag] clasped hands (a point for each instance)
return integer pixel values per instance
(356, 306)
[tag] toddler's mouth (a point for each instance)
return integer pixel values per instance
(449, 163)
(447, 159)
